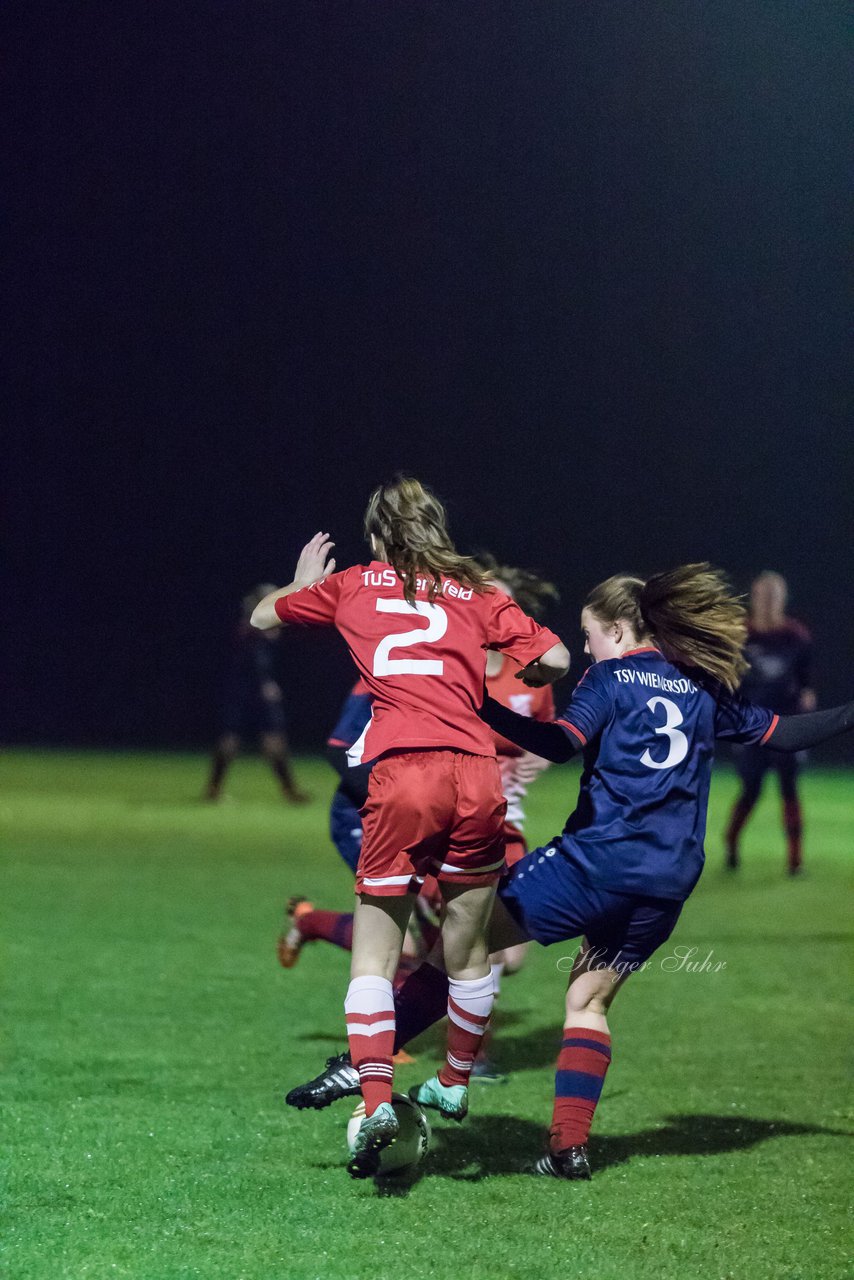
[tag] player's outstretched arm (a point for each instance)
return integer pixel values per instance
(798, 733)
(550, 667)
(312, 566)
(542, 738)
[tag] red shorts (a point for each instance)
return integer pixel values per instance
(515, 848)
(438, 813)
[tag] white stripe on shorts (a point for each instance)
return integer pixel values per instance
(386, 879)
(472, 871)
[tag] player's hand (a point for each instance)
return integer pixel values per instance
(313, 565)
(270, 691)
(533, 676)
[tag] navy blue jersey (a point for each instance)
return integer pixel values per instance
(353, 717)
(648, 732)
(780, 662)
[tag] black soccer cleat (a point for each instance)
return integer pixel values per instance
(339, 1079)
(571, 1164)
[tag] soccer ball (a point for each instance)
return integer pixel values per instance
(410, 1145)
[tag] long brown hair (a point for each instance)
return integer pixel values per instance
(410, 522)
(690, 612)
(531, 593)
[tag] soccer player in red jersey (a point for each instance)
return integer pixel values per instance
(779, 651)
(434, 799)
(517, 768)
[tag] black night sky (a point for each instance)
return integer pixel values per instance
(577, 264)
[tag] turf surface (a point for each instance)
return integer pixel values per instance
(149, 1036)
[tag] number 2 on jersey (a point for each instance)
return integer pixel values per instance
(436, 628)
(678, 742)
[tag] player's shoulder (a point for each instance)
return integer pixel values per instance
(348, 582)
(599, 675)
(355, 573)
(490, 598)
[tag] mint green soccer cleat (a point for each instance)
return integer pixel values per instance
(375, 1134)
(450, 1100)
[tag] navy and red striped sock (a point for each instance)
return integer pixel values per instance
(328, 926)
(741, 811)
(793, 823)
(583, 1060)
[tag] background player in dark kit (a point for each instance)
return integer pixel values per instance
(779, 651)
(253, 705)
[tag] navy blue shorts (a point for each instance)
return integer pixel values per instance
(345, 829)
(550, 899)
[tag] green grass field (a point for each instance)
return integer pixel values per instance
(149, 1036)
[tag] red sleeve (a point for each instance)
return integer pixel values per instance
(514, 633)
(313, 606)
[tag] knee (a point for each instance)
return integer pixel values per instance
(592, 992)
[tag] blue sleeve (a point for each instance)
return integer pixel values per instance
(739, 721)
(590, 706)
(355, 714)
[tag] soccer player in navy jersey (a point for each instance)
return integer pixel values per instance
(779, 651)
(667, 659)
(253, 704)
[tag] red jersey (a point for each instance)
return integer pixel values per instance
(510, 692)
(518, 768)
(422, 662)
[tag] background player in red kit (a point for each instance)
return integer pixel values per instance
(417, 621)
(779, 651)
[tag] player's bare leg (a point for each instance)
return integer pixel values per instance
(581, 1066)
(276, 749)
(420, 1001)
(224, 752)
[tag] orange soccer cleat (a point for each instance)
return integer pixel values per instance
(290, 943)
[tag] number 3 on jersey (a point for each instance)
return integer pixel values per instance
(437, 626)
(678, 742)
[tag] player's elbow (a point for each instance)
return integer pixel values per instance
(555, 661)
(264, 616)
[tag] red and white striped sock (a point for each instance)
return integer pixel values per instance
(369, 1007)
(469, 1007)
